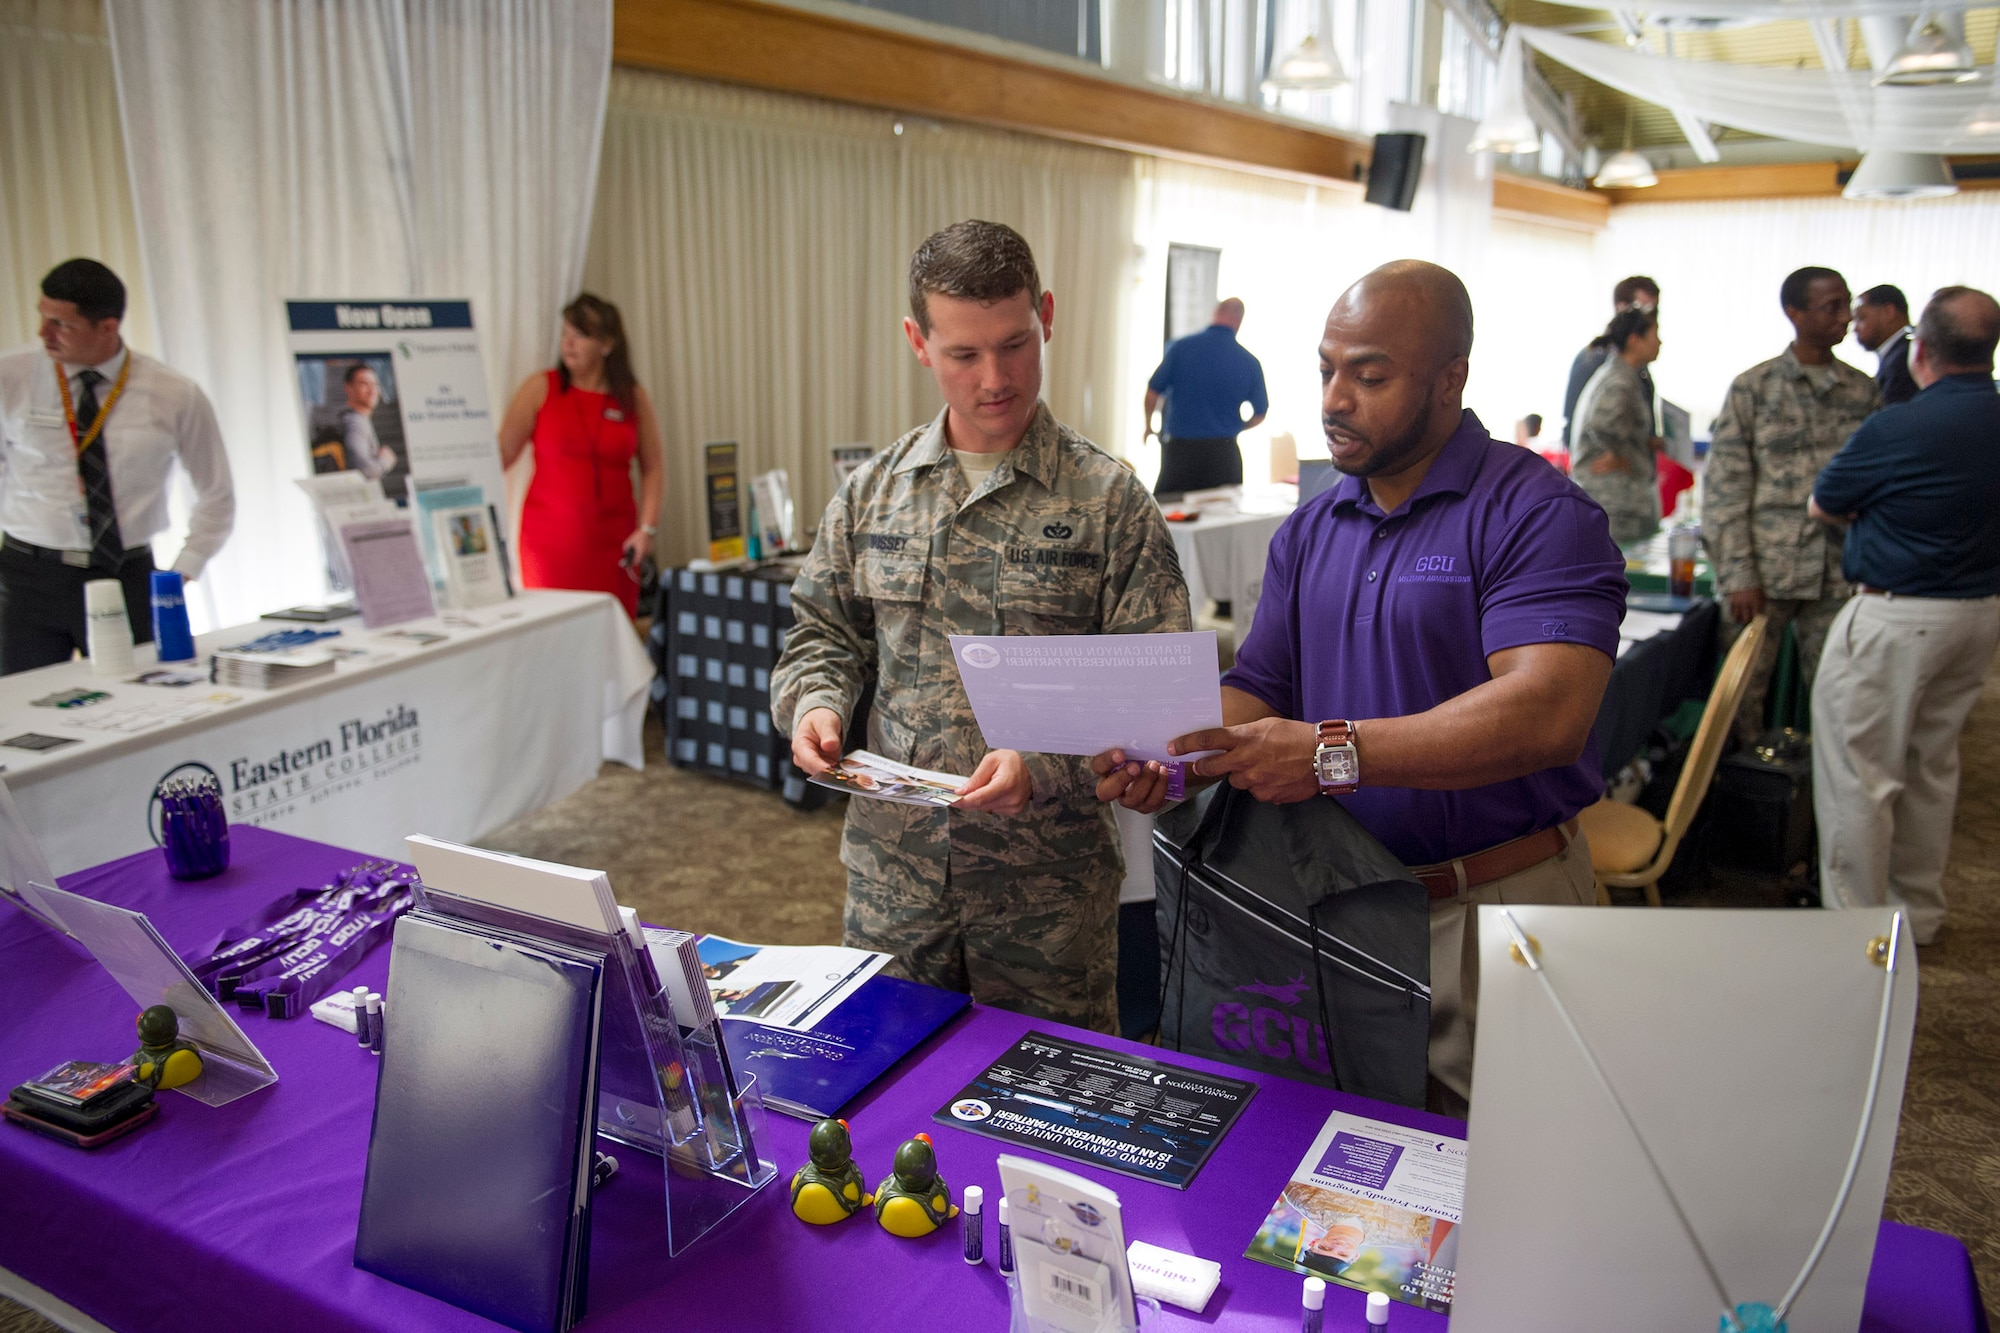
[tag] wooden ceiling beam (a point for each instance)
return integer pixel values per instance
(1775, 180)
(790, 50)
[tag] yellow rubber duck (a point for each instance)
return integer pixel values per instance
(915, 1200)
(830, 1187)
(163, 1060)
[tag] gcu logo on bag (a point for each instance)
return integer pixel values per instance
(1271, 1033)
(1058, 531)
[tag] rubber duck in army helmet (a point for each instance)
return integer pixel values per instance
(829, 1188)
(165, 1059)
(914, 1200)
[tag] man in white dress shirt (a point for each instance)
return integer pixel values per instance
(89, 432)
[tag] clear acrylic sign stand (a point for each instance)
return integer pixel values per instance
(131, 950)
(664, 1086)
(1678, 1117)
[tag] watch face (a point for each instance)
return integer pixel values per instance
(1336, 765)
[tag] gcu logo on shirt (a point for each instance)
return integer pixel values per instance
(1058, 531)
(1436, 564)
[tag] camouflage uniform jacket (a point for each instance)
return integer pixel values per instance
(1059, 539)
(1776, 431)
(1614, 418)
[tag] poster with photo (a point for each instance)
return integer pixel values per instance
(395, 391)
(353, 423)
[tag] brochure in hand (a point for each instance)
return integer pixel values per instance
(863, 773)
(1373, 1206)
(1125, 1113)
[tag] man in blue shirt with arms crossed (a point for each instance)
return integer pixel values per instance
(1433, 641)
(1917, 487)
(1206, 378)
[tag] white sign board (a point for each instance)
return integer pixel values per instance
(1742, 1044)
(395, 390)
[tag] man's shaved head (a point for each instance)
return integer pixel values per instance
(1432, 300)
(1392, 368)
(1229, 312)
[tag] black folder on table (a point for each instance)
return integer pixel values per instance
(477, 1189)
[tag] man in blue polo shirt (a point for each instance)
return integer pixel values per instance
(1206, 378)
(1432, 644)
(1917, 487)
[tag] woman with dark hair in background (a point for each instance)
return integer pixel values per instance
(1611, 451)
(587, 418)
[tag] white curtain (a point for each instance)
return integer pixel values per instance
(1719, 266)
(757, 246)
(1290, 249)
(1806, 105)
(63, 187)
(373, 148)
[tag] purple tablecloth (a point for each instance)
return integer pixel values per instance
(243, 1216)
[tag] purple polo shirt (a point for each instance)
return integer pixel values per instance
(1365, 614)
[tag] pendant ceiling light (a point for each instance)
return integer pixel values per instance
(1887, 174)
(1308, 67)
(1508, 128)
(1932, 53)
(1625, 171)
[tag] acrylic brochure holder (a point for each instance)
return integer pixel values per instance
(1683, 1119)
(664, 1086)
(131, 950)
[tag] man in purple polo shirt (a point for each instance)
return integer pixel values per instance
(1432, 642)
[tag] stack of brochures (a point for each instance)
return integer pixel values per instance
(815, 1025)
(241, 669)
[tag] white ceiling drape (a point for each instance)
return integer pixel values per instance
(757, 246)
(385, 148)
(1837, 107)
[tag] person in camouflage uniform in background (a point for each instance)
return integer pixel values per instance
(993, 519)
(1783, 421)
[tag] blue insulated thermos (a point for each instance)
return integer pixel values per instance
(170, 618)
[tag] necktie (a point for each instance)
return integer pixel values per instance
(107, 550)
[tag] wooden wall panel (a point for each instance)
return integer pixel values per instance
(798, 51)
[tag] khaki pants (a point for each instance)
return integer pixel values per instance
(1562, 880)
(1810, 621)
(1899, 677)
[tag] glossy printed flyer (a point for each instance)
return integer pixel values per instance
(1373, 1206)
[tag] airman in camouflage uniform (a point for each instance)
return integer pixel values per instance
(1059, 538)
(1783, 421)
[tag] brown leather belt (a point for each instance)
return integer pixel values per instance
(1448, 879)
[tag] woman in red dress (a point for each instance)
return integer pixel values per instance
(587, 418)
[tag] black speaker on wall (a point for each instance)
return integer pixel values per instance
(1393, 170)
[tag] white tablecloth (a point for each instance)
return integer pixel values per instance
(516, 708)
(1222, 557)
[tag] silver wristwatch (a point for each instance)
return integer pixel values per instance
(1336, 763)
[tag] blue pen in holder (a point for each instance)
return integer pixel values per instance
(192, 829)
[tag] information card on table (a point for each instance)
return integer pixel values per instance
(1124, 1113)
(1374, 1206)
(1088, 693)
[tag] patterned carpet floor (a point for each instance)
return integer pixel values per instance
(713, 856)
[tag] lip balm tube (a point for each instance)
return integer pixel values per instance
(972, 1224)
(1006, 1239)
(1378, 1310)
(374, 1022)
(1312, 1313)
(361, 1016)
